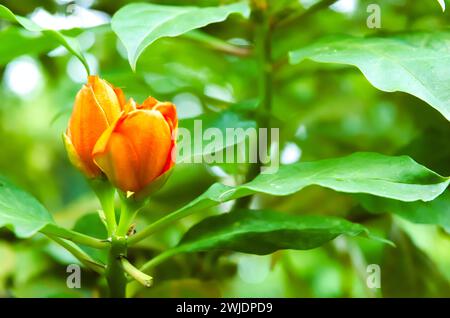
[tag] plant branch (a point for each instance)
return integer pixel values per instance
(76, 237)
(297, 17)
(217, 44)
(79, 254)
(263, 48)
(158, 260)
(160, 224)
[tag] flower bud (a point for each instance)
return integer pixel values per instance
(136, 151)
(97, 105)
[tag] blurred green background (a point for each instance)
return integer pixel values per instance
(323, 111)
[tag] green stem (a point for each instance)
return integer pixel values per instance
(128, 212)
(141, 277)
(217, 44)
(105, 193)
(115, 274)
(158, 225)
(158, 260)
(79, 254)
(263, 49)
(297, 17)
(55, 230)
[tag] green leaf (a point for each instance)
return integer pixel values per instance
(399, 178)
(21, 212)
(417, 64)
(140, 24)
(264, 232)
(220, 122)
(433, 212)
(17, 42)
(430, 148)
(69, 43)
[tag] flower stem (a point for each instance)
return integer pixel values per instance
(114, 273)
(105, 193)
(128, 212)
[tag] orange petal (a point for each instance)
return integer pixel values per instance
(102, 142)
(169, 111)
(120, 96)
(106, 97)
(75, 159)
(148, 103)
(134, 150)
(150, 136)
(171, 159)
(129, 106)
(86, 125)
(118, 162)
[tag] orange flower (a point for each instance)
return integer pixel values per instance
(137, 150)
(97, 105)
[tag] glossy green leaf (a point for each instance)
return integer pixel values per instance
(20, 212)
(69, 43)
(140, 24)
(264, 232)
(399, 178)
(417, 64)
(430, 148)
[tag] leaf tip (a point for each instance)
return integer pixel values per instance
(132, 60)
(294, 57)
(381, 240)
(291, 57)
